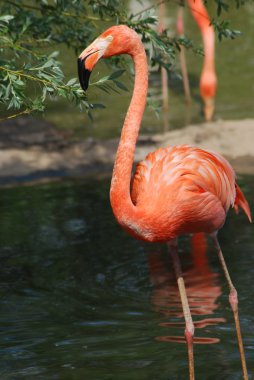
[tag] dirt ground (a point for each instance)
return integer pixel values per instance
(33, 150)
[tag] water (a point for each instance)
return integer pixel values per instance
(82, 300)
(234, 100)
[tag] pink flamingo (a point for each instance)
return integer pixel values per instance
(175, 190)
(208, 79)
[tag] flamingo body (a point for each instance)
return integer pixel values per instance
(182, 189)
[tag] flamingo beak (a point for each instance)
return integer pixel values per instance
(86, 62)
(83, 73)
(89, 57)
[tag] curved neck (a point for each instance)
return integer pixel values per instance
(120, 199)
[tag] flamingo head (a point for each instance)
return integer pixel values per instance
(208, 108)
(116, 40)
(208, 87)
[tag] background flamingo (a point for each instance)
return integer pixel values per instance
(208, 79)
(175, 190)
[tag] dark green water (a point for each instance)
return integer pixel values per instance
(82, 300)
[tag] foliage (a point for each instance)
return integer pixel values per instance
(31, 31)
(223, 5)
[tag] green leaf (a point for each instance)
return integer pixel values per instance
(121, 85)
(116, 74)
(97, 105)
(71, 82)
(6, 18)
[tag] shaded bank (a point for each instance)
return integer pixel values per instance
(33, 150)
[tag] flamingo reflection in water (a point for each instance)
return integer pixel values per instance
(202, 286)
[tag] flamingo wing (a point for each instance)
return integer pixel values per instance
(190, 187)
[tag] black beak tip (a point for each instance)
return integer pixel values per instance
(83, 74)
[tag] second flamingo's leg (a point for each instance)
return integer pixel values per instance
(189, 326)
(180, 32)
(233, 300)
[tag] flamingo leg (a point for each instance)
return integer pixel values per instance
(189, 326)
(233, 300)
(180, 32)
(164, 73)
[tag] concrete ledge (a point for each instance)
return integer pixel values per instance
(50, 154)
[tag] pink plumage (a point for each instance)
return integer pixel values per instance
(184, 189)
